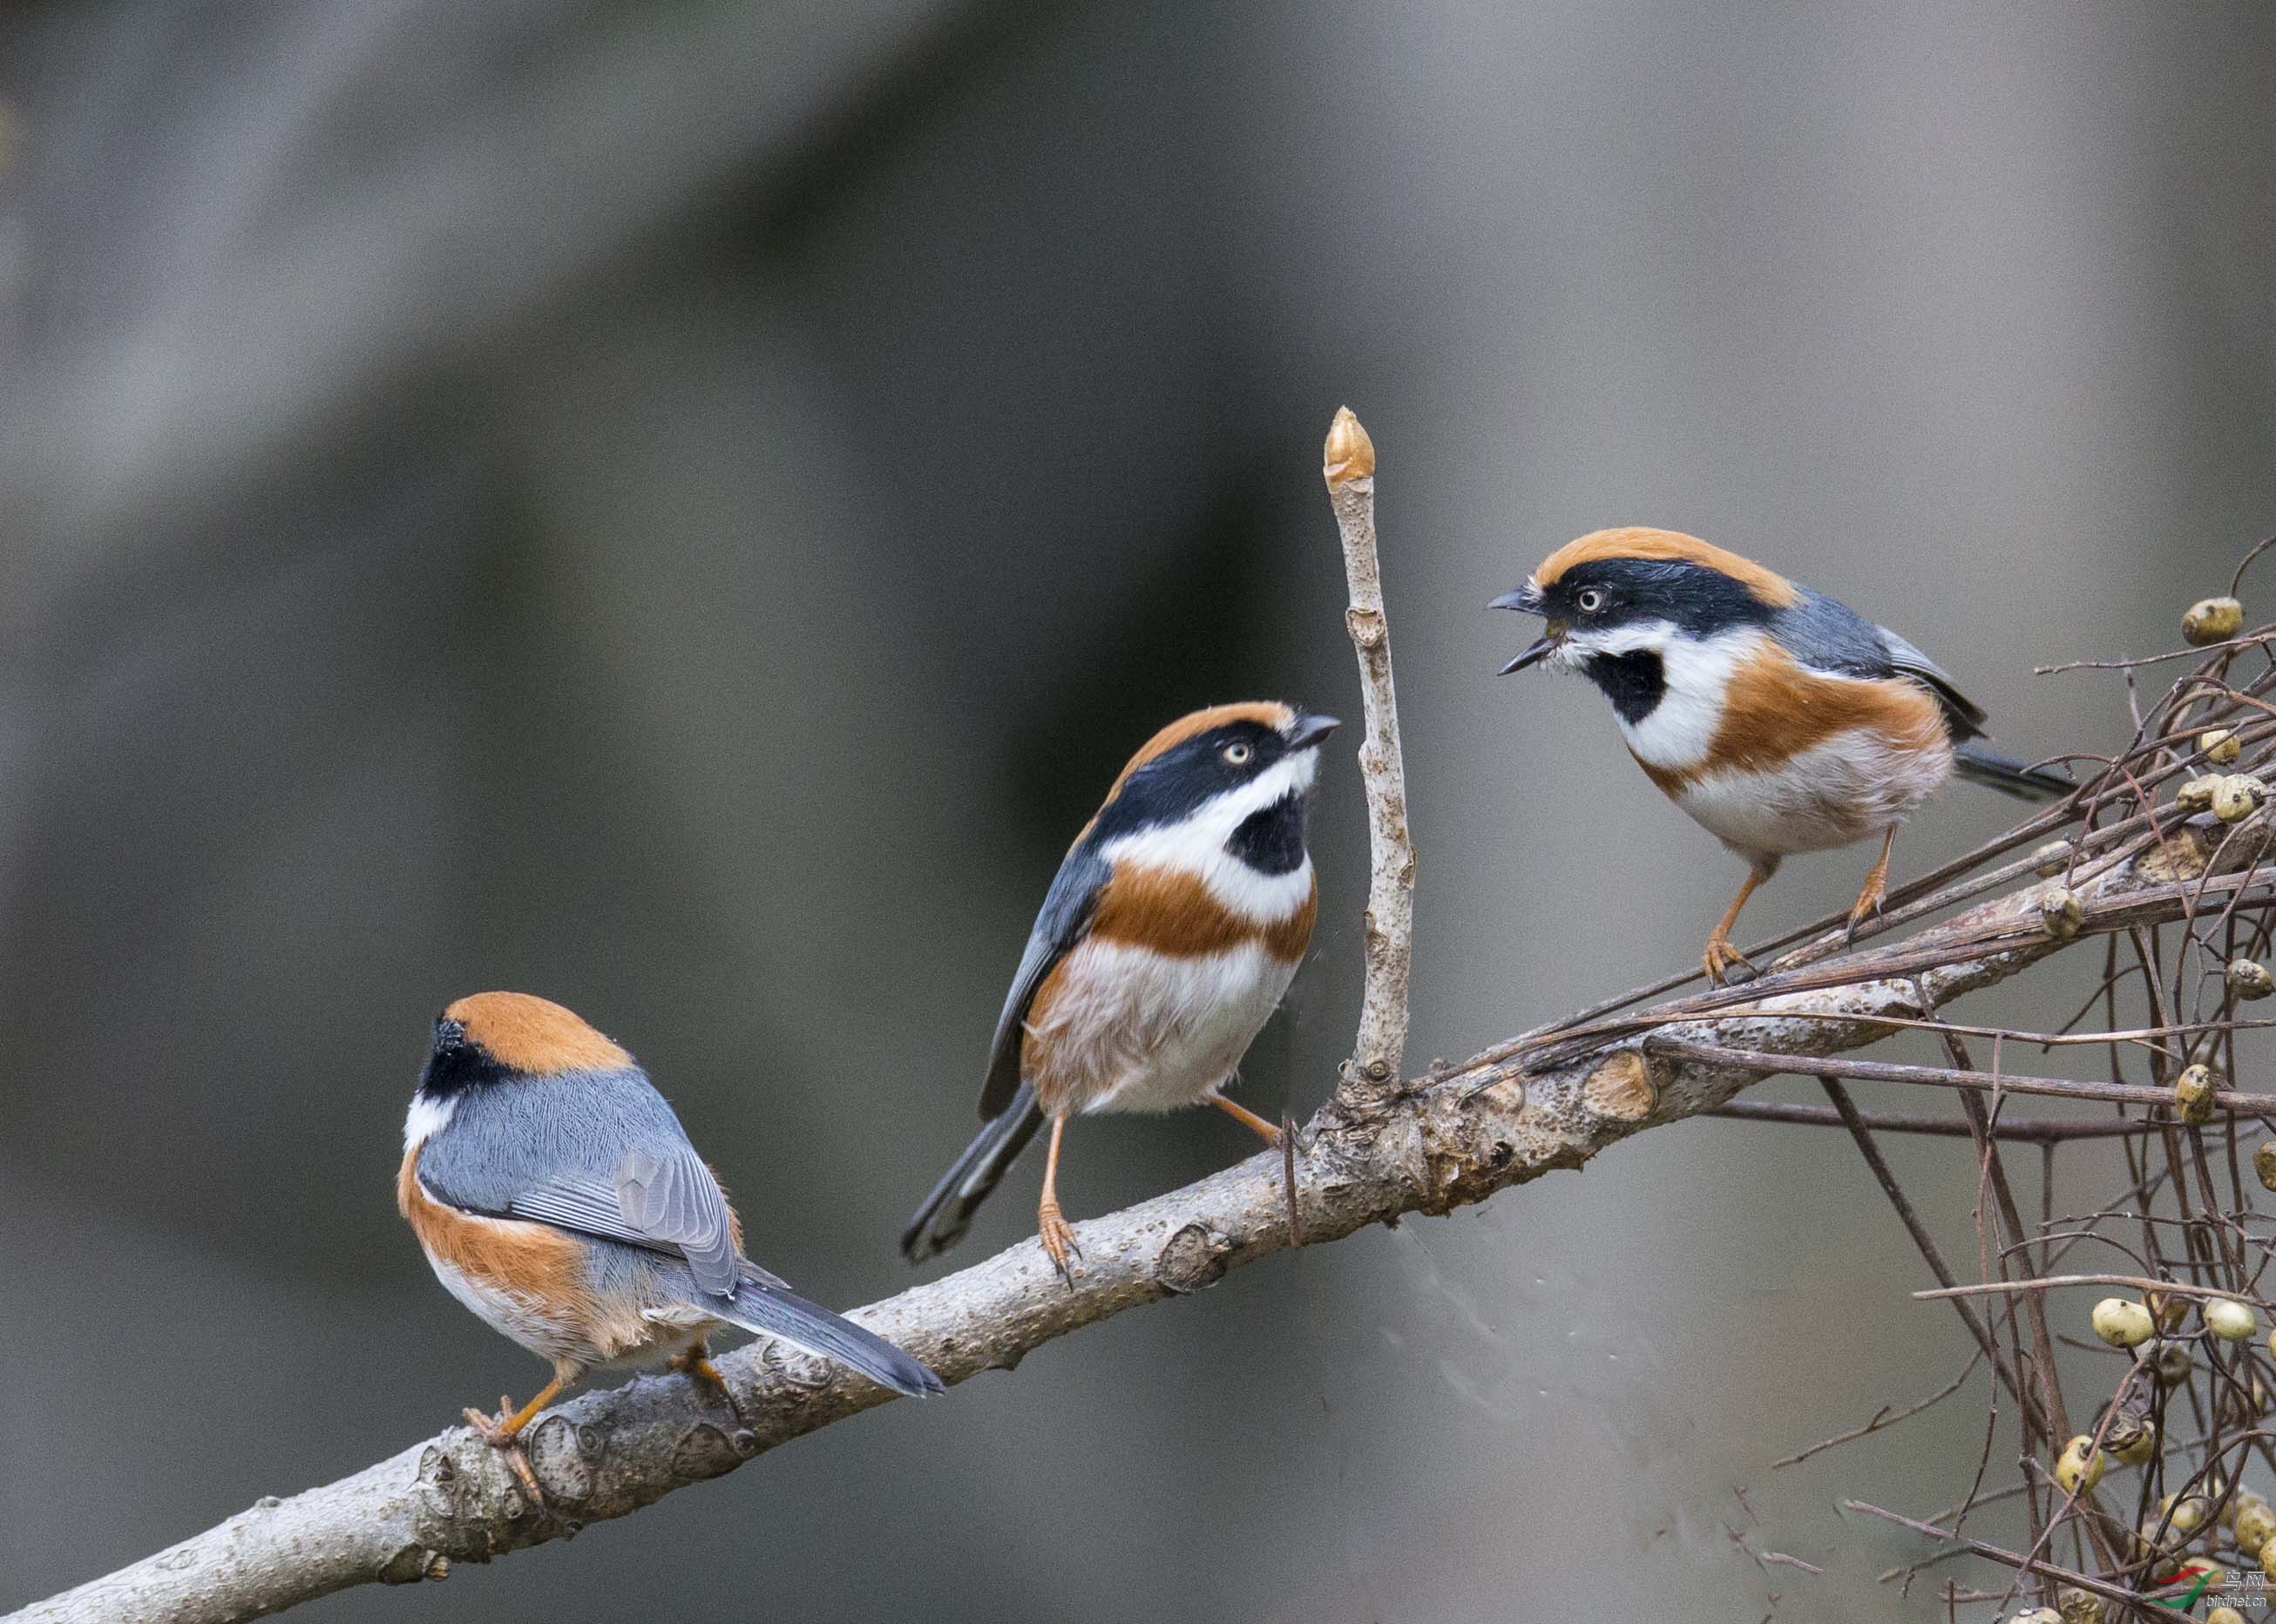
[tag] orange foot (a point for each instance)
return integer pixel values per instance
(1869, 903)
(1721, 959)
(503, 1431)
(695, 1362)
(1058, 1236)
(1876, 888)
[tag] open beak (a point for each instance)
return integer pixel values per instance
(1539, 649)
(1526, 601)
(1308, 731)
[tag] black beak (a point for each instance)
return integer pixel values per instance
(1306, 732)
(1526, 600)
(1535, 651)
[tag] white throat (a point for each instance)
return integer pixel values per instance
(1195, 844)
(1675, 734)
(426, 1118)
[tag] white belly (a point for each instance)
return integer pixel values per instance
(525, 1319)
(1135, 1030)
(1850, 786)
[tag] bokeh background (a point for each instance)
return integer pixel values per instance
(684, 508)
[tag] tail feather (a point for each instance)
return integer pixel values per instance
(946, 1213)
(1979, 765)
(772, 1311)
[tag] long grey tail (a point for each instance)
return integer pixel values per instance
(1979, 765)
(772, 1311)
(946, 1213)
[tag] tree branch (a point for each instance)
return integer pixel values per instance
(1553, 1099)
(1374, 1072)
(1437, 1145)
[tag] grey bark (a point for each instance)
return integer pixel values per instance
(1425, 1147)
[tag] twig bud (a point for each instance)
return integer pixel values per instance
(2196, 794)
(2050, 859)
(2186, 1513)
(2122, 1322)
(2248, 978)
(2080, 1466)
(2256, 1522)
(2061, 914)
(2211, 620)
(2171, 1363)
(1350, 453)
(2171, 1312)
(2194, 1092)
(2230, 1320)
(2147, 1542)
(2219, 745)
(2131, 1438)
(2237, 797)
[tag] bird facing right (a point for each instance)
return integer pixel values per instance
(1164, 943)
(1779, 719)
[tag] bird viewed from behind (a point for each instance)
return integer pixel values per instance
(1780, 720)
(555, 1195)
(1166, 940)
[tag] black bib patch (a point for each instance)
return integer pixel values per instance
(1636, 683)
(1270, 840)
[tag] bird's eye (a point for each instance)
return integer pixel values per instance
(1590, 600)
(1238, 755)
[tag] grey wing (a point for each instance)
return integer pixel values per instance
(1963, 716)
(600, 1153)
(664, 1199)
(1059, 925)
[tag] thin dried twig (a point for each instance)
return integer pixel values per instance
(1375, 1068)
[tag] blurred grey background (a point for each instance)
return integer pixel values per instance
(684, 508)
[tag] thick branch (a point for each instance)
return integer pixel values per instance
(1435, 1145)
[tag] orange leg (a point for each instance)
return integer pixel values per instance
(695, 1362)
(1876, 887)
(1051, 1226)
(503, 1430)
(1720, 955)
(1268, 1131)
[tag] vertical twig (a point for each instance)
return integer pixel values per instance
(1373, 1074)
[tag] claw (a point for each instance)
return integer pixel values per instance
(1875, 892)
(695, 1362)
(503, 1432)
(1721, 959)
(1057, 1236)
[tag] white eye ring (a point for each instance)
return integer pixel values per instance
(1238, 755)
(1589, 601)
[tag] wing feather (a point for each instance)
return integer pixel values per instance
(667, 1203)
(1964, 715)
(1066, 911)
